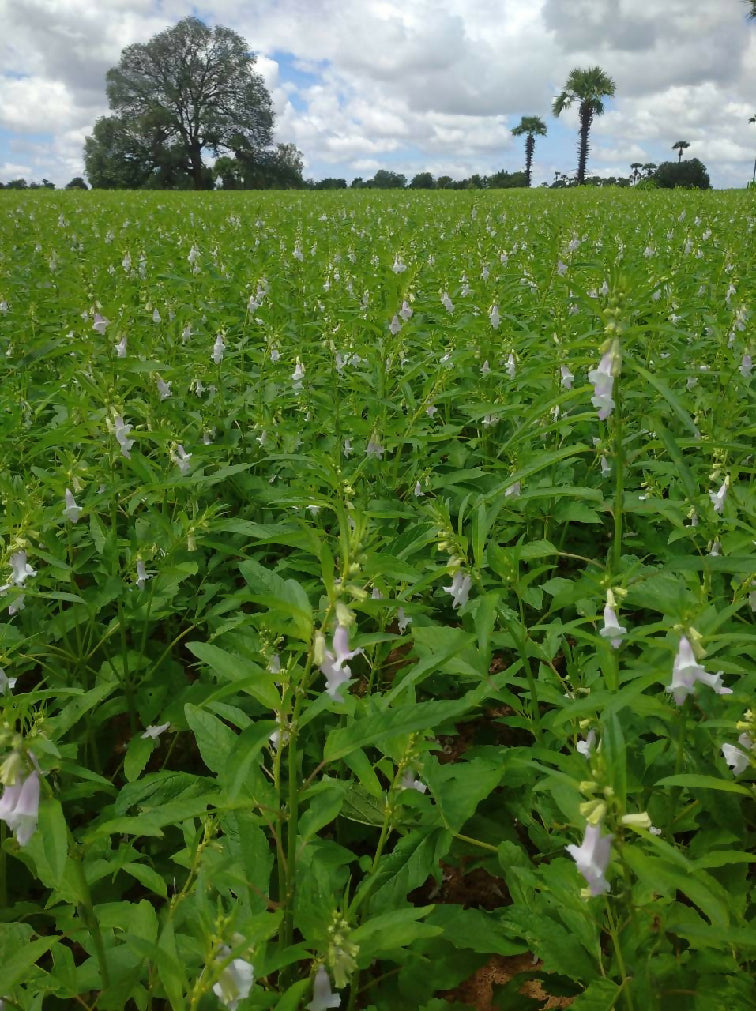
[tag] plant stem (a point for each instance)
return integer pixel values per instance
(619, 481)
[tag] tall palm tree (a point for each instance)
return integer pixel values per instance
(587, 87)
(530, 126)
(680, 146)
(636, 167)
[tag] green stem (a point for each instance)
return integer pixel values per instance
(619, 481)
(614, 934)
(86, 910)
(679, 761)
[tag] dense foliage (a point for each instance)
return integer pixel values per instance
(376, 599)
(191, 89)
(690, 174)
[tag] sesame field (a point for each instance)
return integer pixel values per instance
(377, 601)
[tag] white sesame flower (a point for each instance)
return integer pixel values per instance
(100, 323)
(737, 760)
(181, 458)
(120, 347)
(153, 732)
(322, 997)
(511, 366)
(142, 574)
(398, 267)
(155, 315)
(71, 511)
(164, 388)
(235, 982)
(603, 380)
(612, 629)
(121, 431)
(6, 684)
(592, 858)
(686, 671)
(585, 748)
(493, 315)
(19, 807)
(746, 366)
(459, 589)
(718, 497)
(567, 377)
(218, 348)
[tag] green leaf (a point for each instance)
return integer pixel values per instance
(394, 723)
(248, 676)
(693, 780)
(414, 858)
(459, 787)
(601, 995)
(138, 753)
(216, 741)
(285, 595)
(386, 933)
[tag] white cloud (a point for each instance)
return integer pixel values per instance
(424, 84)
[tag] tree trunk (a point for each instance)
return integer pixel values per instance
(195, 159)
(586, 118)
(529, 148)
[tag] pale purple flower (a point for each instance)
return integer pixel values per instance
(612, 629)
(459, 589)
(181, 458)
(511, 366)
(418, 492)
(561, 268)
(341, 650)
(513, 491)
(71, 511)
(603, 380)
(153, 732)
(121, 431)
(335, 676)
(120, 347)
(395, 326)
(447, 302)
(347, 448)
(686, 671)
(155, 315)
(567, 377)
(218, 348)
(164, 388)
(592, 858)
(485, 368)
(100, 323)
(193, 255)
(746, 366)
(298, 375)
(493, 316)
(398, 267)
(409, 782)
(19, 807)
(235, 981)
(406, 311)
(322, 996)
(374, 448)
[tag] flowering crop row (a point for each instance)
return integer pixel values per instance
(355, 546)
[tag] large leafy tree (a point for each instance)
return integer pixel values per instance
(529, 126)
(197, 89)
(588, 88)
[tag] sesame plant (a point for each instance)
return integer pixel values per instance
(357, 549)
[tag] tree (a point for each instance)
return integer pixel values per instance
(588, 88)
(636, 167)
(507, 180)
(197, 89)
(387, 180)
(423, 181)
(77, 183)
(689, 174)
(752, 11)
(680, 146)
(529, 126)
(648, 169)
(131, 154)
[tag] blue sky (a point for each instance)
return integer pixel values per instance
(420, 85)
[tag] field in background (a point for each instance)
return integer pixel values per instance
(336, 613)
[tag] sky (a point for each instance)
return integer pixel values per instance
(411, 86)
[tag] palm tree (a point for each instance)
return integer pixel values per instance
(753, 118)
(636, 167)
(587, 87)
(649, 168)
(530, 126)
(752, 11)
(680, 146)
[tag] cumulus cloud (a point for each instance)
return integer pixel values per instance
(433, 84)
